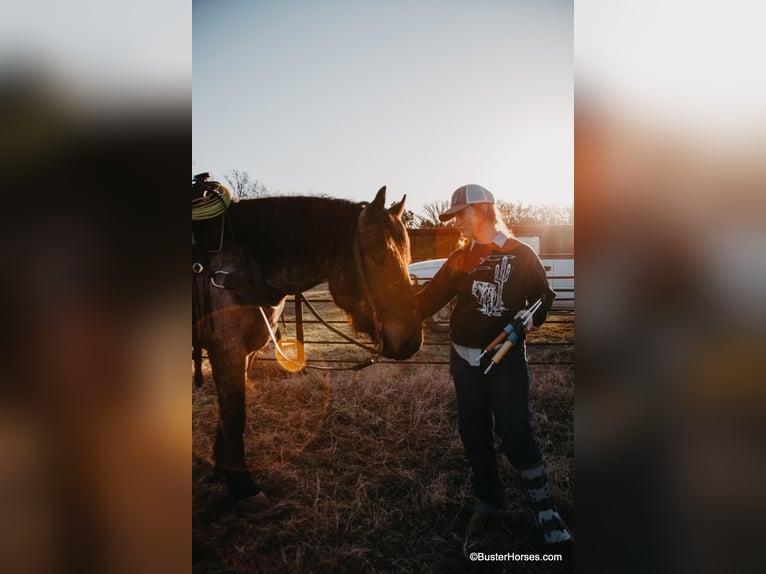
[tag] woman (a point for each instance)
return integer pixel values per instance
(494, 278)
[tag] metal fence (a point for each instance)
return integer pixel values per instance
(300, 319)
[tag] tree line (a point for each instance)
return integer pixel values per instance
(513, 212)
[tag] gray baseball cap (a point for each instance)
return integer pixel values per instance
(464, 196)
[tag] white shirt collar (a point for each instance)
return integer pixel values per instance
(500, 238)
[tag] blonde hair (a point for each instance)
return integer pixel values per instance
(491, 213)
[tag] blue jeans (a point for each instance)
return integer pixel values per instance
(502, 394)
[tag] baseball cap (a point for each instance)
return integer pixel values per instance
(464, 196)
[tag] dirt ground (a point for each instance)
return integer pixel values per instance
(366, 470)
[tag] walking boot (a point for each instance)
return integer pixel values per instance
(551, 526)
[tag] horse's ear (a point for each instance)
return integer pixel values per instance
(379, 203)
(398, 208)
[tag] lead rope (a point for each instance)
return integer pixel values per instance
(333, 329)
(358, 367)
(366, 289)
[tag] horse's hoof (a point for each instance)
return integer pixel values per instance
(252, 504)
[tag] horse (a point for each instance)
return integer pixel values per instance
(264, 249)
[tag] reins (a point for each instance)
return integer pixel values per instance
(333, 329)
(300, 299)
(366, 290)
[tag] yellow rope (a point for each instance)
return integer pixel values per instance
(213, 204)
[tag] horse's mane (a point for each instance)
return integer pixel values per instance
(304, 232)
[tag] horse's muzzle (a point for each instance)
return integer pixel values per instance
(402, 349)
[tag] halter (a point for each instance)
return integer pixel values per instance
(361, 269)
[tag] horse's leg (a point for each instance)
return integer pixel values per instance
(229, 373)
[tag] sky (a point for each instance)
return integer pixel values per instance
(341, 97)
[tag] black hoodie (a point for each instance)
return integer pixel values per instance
(491, 284)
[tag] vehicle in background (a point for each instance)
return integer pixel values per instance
(559, 269)
(420, 274)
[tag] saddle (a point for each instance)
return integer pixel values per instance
(207, 237)
(200, 185)
(210, 200)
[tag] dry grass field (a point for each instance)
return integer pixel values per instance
(366, 470)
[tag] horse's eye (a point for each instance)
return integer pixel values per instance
(379, 257)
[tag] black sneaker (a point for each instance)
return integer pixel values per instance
(479, 534)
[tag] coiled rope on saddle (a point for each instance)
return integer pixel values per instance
(215, 202)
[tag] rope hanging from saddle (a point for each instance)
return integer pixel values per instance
(214, 202)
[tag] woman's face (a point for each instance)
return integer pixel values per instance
(464, 222)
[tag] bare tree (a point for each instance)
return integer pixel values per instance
(242, 185)
(431, 211)
(515, 213)
(408, 217)
(511, 212)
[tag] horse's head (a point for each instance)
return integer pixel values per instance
(381, 264)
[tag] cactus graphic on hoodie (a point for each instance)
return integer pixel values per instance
(490, 295)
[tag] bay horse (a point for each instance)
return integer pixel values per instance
(264, 249)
